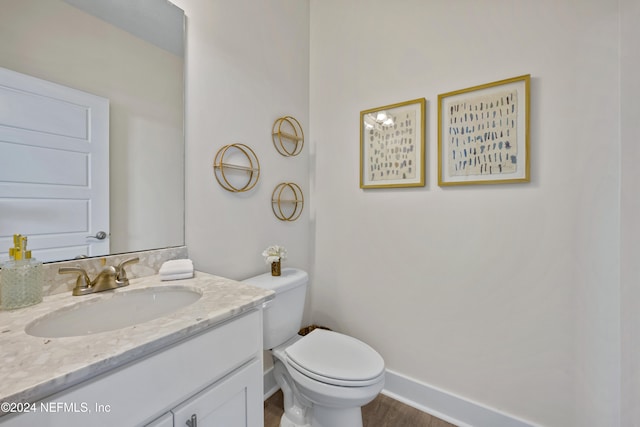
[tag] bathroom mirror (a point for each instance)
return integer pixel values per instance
(130, 52)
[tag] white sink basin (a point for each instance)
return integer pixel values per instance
(111, 312)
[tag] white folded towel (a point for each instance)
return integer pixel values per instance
(176, 269)
(177, 276)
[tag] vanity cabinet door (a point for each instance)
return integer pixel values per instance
(164, 421)
(234, 401)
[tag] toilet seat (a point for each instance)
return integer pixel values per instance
(335, 359)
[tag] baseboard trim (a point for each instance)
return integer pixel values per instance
(446, 406)
(269, 385)
(426, 398)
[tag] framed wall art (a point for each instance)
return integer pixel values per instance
(483, 134)
(392, 145)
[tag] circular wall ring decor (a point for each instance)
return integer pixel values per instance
(246, 175)
(287, 201)
(287, 135)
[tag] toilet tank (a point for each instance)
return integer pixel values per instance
(283, 314)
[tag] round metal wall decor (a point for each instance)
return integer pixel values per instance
(236, 168)
(287, 135)
(287, 201)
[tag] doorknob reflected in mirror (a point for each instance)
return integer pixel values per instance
(100, 235)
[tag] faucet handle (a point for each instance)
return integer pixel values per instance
(82, 284)
(121, 273)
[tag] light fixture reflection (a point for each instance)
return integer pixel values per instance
(379, 120)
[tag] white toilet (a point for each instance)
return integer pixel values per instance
(325, 376)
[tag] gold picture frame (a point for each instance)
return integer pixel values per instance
(392, 145)
(483, 134)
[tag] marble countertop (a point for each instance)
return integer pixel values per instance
(32, 368)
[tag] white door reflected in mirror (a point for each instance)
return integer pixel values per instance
(54, 167)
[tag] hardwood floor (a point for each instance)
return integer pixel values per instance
(273, 410)
(382, 412)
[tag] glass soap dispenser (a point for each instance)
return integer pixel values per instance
(21, 277)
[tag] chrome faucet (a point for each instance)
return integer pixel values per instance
(109, 278)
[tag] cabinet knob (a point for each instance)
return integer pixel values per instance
(193, 422)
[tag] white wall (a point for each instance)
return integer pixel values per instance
(505, 295)
(630, 213)
(247, 65)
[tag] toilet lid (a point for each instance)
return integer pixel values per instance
(335, 358)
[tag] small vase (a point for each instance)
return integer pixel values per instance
(275, 268)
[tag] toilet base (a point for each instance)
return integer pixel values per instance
(328, 417)
(286, 422)
(332, 417)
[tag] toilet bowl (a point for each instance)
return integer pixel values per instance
(325, 376)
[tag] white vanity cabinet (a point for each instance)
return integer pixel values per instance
(165, 420)
(213, 378)
(229, 403)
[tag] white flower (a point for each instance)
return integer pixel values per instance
(274, 253)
